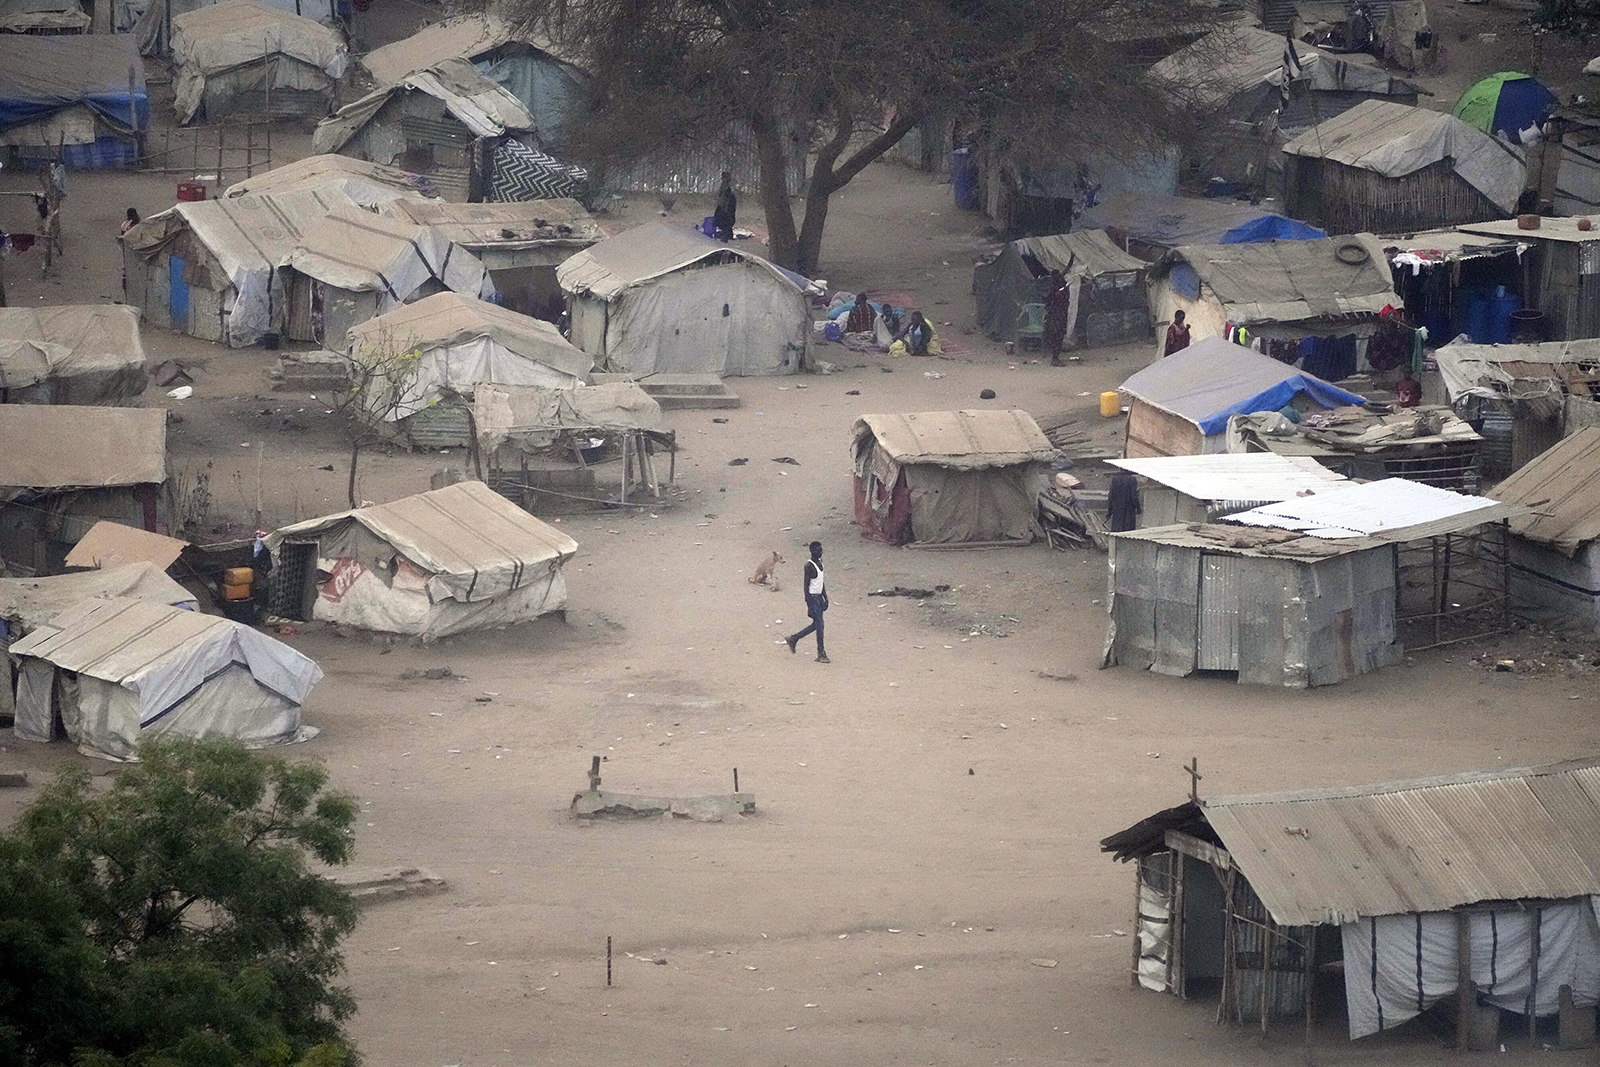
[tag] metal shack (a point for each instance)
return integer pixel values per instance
(1555, 566)
(1563, 267)
(1207, 488)
(1472, 889)
(1310, 591)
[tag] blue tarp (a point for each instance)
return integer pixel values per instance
(1215, 378)
(40, 76)
(1270, 228)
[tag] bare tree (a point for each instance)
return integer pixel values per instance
(845, 81)
(383, 381)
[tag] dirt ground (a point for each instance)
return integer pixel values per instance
(929, 805)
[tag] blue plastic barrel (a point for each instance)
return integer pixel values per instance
(1478, 327)
(964, 178)
(1501, 305)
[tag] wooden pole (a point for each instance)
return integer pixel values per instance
(736, 779)
(1230, 948)
(608, 961)
(1267, 936)
(1533, 976)
(1466, 1001)
(1138, 917)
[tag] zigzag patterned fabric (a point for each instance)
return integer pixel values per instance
(523, 173)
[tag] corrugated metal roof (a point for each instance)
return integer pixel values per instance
(1565, 230)
(1391, 510)
(1261, 476)
(519, 224)
(1332, 856)
(1561, 489)
(966, 440)
(1255, 542)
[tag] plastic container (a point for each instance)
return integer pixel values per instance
(236, 591)
(1501, 306)
(191, 191)
(238, 576)
(1527, 326)
(1110, 405)
(1477, 324)
(1494, 458)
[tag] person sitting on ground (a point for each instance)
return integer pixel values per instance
(130, 221)
(862, 316)
(917, 335)
(1057, 305)
(1408, 391)
(1177, 335)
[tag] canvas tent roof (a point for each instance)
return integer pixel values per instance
(41, 75)
(33, 602)
(503, 412)
(1239, 58)
(962, 440)
(51, 447)
(1394, 509)
(20, 16)
(1215, 378)
(111, 544)
(462, 37)
(1398, 848)
(162, 652)
(251, 237)
(483, 107)
(93, 350)
(368, 184)
(355, 249)
(1561, 489)
(636, 256)
(474, 542)
(1292, 281)
(1169, 221)
(1237, 476)
(1082, 252)
(221, 36)
(508, 226)
(447, 319)
(1395, 140)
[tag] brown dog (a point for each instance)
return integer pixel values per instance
(767, 572)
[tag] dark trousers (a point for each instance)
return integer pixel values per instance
(814, 609)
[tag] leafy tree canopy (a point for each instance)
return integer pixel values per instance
(172, 921)
(847, 80)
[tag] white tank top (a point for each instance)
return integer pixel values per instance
(817, 584)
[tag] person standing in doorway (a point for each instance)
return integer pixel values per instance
(815, 587)
(727, 207)
(1177, 335)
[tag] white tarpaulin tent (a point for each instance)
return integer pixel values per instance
(362, 264)
(448, 343)
(667, 299)
(241, 55)
(118, 671)
(368, 184)
(71, 354)
(438, 563)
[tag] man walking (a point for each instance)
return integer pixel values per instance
(815, 588)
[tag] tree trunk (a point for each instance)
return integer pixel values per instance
(355, 457)
(809, 252)
(782, 246)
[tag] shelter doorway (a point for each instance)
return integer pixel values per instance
(1219, 613)
(292, 585)
(178, 298)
